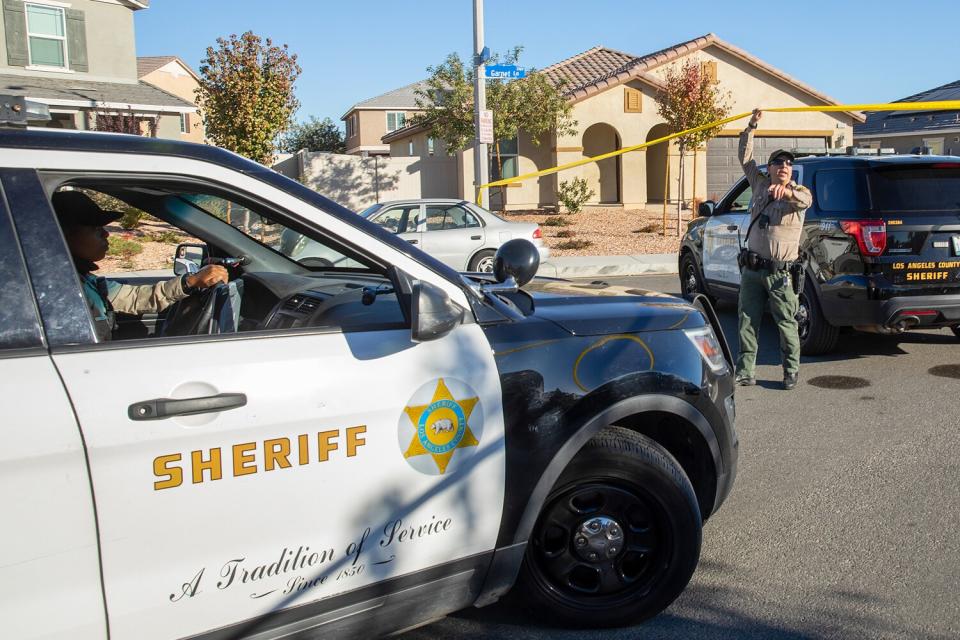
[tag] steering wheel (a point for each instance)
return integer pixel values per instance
(191, 316)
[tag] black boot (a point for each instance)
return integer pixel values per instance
(790, 380)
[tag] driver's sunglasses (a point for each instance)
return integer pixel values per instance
(784, 161)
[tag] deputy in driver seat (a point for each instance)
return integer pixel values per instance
(82, 222)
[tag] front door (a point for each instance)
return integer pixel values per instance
(335, 457)
(724, 234)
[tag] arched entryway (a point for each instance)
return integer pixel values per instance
(657, 163)
(604, 176)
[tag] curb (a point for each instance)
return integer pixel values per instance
(587, 266)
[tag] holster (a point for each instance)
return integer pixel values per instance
(796, 276)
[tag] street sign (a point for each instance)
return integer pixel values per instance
(486, 127)
(505, 72)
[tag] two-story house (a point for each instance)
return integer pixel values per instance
(368, 121)
(79, 57)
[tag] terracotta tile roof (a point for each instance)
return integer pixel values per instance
(600, 68)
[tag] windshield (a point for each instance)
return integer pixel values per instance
(926, 187)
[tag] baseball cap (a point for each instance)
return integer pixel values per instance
(75, 208)
(781, 153)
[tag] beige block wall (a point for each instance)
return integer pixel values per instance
(111, 45)
(173, 79)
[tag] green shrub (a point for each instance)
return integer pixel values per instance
(131, 218)
(121, 247)
(574, 244)
(574, 194)
(556, 221)
(566, 233)
(165, 237)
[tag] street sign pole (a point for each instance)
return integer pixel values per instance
(480, 172)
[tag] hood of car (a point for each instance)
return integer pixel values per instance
(601, 309)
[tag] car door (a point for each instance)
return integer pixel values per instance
(452, 234)
(403, 220)
(49, 528)
(723, 234)
(301, 475)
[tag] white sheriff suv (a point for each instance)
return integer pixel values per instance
(361, 450)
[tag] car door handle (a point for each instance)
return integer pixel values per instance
(475, 237)
(732, 227)
(161, 408)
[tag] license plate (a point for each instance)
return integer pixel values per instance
(956, 245)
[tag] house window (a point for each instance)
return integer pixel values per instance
(508, 164)
(430, 148)
(47, 35)
(351, 125)
(410, 148)
(396, 120)
(184, 123)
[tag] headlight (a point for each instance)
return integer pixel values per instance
(706, 343)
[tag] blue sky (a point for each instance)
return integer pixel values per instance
(856, 52)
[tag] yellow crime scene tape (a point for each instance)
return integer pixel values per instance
(941, 105)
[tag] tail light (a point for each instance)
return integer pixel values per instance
(871, 235)
(537, 234)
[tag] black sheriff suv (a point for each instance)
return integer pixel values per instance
(881, 244)
(318, 451)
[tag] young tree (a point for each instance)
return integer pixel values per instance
(534, 105)
(246, 94)
(314, 135)
(690, 100)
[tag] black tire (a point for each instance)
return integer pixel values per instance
(626, 479)
(817, 336)
(691, 280)
(482, 261)
(956, 330)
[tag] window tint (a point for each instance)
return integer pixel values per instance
(841, 191)
(19, 325)
(933, 187)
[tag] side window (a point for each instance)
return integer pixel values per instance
(459, 218)
(19, 324)
(436, 217)
(741, 201)
(841, 191)
(398, 220)
(272, 274)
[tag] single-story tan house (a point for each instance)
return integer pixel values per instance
(613, 95)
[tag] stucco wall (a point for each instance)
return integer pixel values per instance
(356, 183)
(905, 144)
(371, 127)
(111, 46)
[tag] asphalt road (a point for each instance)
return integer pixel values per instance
(844, 521)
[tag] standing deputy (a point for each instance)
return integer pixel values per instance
(773, 239)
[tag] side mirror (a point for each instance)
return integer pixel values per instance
(432, 313)
(517, 259)
(188, 258)
(706, 208)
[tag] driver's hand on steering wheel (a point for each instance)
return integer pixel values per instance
(208, 276)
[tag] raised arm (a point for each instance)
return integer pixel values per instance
(745, 151)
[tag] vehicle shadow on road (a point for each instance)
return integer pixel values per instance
(712, 607)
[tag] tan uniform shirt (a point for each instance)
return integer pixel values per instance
(780, 240)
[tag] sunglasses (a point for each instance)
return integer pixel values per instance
(784, 161)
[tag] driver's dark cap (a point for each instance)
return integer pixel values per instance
(75, 208)
(780, 153)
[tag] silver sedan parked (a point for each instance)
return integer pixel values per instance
(456, 232)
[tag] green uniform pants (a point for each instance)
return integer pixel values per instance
(756, 287)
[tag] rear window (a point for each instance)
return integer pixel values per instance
(927, 187)
(842, 191)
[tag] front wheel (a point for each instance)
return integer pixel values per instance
(482, 262)
(956, 330)
(618, 538)
(691, 282)
(817, 336)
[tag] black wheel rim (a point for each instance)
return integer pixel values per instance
(691, 283)
(599, 544)
(803, 317)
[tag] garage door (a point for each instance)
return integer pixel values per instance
(723, 168)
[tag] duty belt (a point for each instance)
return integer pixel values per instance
(755, 262)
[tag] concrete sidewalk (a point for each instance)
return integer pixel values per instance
(588, 266)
